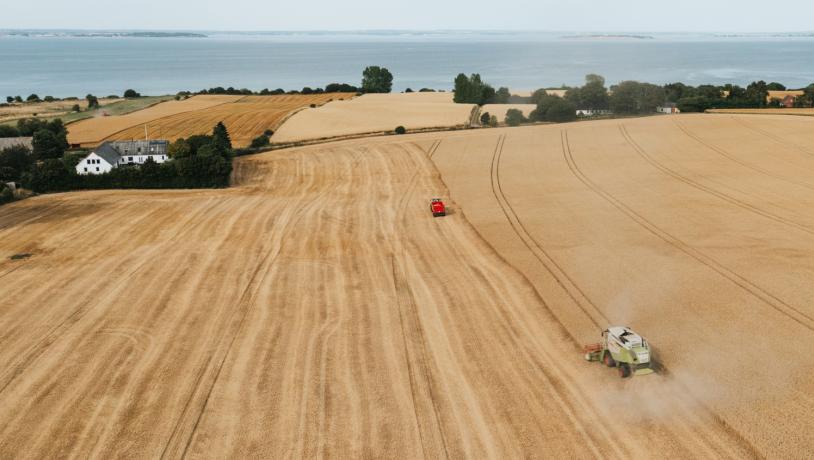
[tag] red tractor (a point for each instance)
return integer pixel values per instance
(437, 207)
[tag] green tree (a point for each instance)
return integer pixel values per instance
(484, 118)
(538, 96)
(515, 117)
(221, 140)
(560, 111)
(32, 98)
(376, 79)
(46, 145)
(18, 99)
(400, 130)
(544, 102)
(208, 150)
(9, 131)
(757, 93)
(462, 90)
(502, 95)
(93, 101)
(775, 86)
(17, 158)
(472, 90)
(131, 93)
(260, 141)
(179, 149)
(9, 99)
(76, 108)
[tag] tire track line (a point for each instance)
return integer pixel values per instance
(406, 298)
(243, 307)
(697, 185)
(774, 137)
(565, 399)
(700, 257)
(733, 158)
(560, 276)
(766, 297)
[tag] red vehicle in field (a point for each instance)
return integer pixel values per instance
(437, 207)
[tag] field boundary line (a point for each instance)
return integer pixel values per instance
(709, 190)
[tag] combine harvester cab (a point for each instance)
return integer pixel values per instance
(438, 208)
(623, 349)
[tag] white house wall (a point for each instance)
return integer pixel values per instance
(93, 164)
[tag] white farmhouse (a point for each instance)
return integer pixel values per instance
(125, 153)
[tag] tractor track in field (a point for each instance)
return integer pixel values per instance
(244, 305)
(683, 247)
(52, 335)
(406, 301)
(764, 296)
(545, 259)
(734, 159)
(709, 190)
(773, 137)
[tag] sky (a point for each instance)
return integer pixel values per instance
(553, 15)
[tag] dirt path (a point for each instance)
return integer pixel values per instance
(318, 309)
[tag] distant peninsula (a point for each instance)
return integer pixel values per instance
(607, 37)
(102, 34)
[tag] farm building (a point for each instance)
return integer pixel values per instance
(592, 112)
(786, 98)
(668, 107)
(114, 154)
(7, 142)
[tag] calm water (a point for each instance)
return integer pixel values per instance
(66, 66)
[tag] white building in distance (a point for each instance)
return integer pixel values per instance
(124, 153)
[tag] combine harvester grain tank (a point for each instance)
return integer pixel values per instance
(623, 349)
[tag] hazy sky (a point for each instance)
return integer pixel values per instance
(559, 15)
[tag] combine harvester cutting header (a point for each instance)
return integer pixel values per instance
(623, 349)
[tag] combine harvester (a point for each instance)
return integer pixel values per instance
(623, 349)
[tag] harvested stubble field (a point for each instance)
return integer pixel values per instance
(246, 117)
(375, 113)
(94, 131)
(44, 109)
(317, 309)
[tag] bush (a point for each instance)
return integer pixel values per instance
(401, 130)
(49, 99)
(17, 158)
(260, 141)
(9, 131)
(340, 88)
(515, 117)
(6, 195)
(493, 121)
(76, 108)
(268, 132)
(484, 118)
(408, 90)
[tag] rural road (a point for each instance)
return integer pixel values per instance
(317, 309)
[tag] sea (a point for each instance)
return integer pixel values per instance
(74, 63)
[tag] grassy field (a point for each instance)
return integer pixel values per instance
(317, 308)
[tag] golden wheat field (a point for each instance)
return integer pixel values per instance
(375, 113)
(93, 131)
(317, 309)
(245, 118)
(801, 111)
